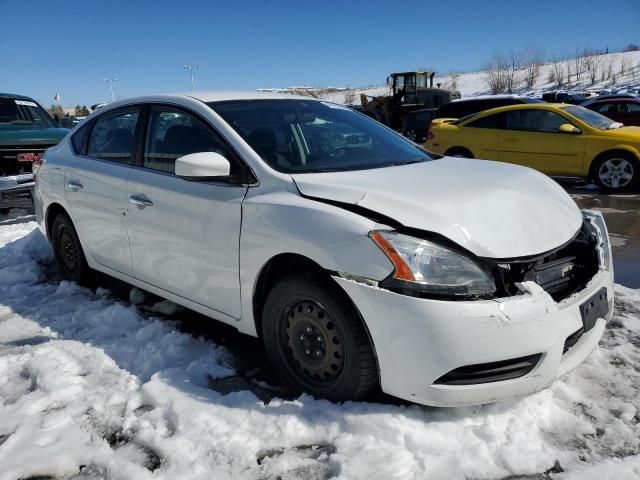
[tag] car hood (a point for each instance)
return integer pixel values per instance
(492, 209)
(625, 133)
(17, 134)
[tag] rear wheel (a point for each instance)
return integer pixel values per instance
(458, 152)
(68, 251)
(616, 172)
(412, 135)
(317, 342)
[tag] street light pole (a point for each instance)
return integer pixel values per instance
(191, 68)
(110, 81)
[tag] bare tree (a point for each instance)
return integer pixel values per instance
(558, 70)
(593, 64)
(531, 62)
(496, 73)
(607, 67)
(579, 62)
(349, 96)
(625, 63)
(454, 80)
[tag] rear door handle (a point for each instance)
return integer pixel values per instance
(74, 185)
(140, 201)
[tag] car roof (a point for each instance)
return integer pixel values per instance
(14, 95)
(222, 95)
(607, 98)
(508, 108)
(495, 97)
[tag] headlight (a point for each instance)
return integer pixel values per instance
(604, 246)
(432, 268)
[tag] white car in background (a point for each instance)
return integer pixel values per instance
(360, 259)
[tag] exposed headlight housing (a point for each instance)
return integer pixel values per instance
(596, 219)
(431, 268)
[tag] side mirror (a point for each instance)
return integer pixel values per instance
(568, 128)
(202, 166)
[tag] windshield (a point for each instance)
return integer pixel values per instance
(299, 136)
(591, 118)
(14, 111)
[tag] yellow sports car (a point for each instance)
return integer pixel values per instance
(556, 139)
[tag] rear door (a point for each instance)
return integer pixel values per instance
(482, 136)
(95, 187)
(531, 137)
(185, 235)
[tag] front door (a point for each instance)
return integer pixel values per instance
(532, 138)
(95, 187)
(184, 234)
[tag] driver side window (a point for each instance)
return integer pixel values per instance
(535, 120)
(172, 134)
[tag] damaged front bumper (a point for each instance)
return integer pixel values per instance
(419, 341)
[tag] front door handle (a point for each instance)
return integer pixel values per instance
(140, 201)
(74, 185)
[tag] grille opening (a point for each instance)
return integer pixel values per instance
(9, 164)
(572, 340)
(490, 372)
(561, 273)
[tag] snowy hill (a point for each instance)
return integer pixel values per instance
(474, 83)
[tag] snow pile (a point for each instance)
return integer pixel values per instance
(91, 387)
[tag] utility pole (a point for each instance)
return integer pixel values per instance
(191, 68)
(110, 81)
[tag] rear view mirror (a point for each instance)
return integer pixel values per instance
(568, 128)
(202, 166)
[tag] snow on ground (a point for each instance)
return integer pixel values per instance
(93, 387)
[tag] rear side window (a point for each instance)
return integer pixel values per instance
(113, 134)
(173, 134)
(491, 121)
(633, 107)
(79, 139)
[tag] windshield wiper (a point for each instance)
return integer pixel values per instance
(407, 162)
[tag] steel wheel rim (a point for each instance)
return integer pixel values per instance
(314, 343)
(616, 173)
(68, 252)
(412, 135)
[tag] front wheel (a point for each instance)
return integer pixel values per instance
(616, 173)
(68, 251)
(316, 341)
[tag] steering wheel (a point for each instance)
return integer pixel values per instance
(333, 151)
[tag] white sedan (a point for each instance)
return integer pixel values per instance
(360, 259)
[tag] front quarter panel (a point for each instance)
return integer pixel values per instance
(284, 222)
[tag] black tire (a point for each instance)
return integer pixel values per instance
(628, 165)
(303, 316)
(4, 211)
(458, 152)
(68, 251)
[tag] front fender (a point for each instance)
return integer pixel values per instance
(284, 222)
